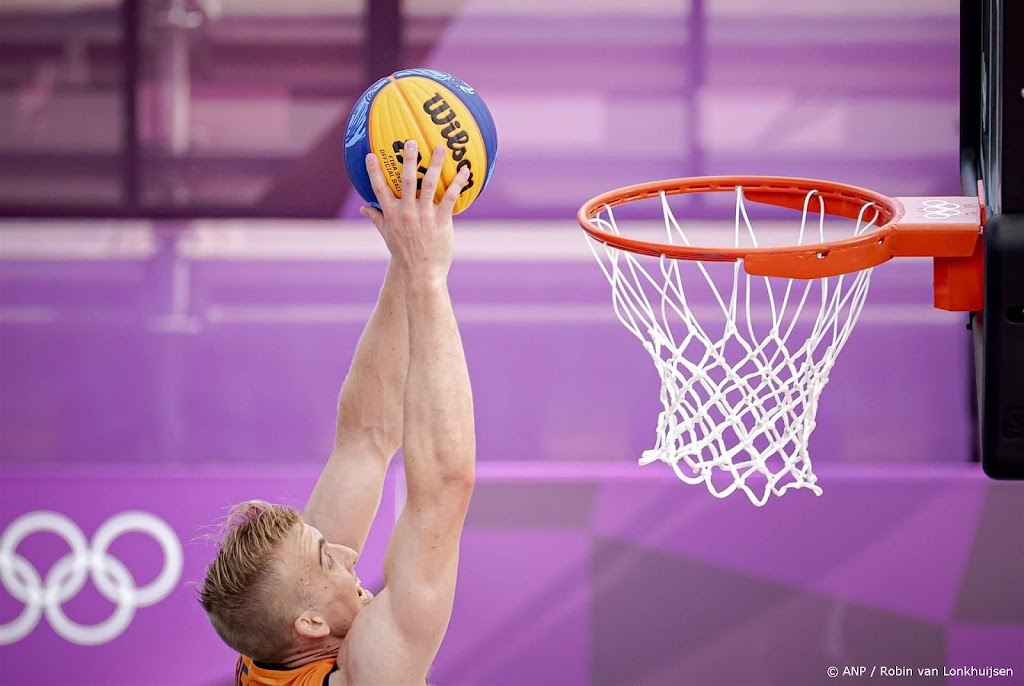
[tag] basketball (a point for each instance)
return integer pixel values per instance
(433, 108)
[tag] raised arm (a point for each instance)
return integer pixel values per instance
(369, 427)
(402, 630)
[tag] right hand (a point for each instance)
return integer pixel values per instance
(418, 232)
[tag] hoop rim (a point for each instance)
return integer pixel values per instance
(898, 235)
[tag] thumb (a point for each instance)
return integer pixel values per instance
(374, 215)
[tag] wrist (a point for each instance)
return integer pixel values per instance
(424, 277)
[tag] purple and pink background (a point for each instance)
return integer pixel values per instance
(178, 367)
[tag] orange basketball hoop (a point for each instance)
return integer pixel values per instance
(740, 393)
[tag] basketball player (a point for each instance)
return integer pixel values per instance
(283, 590)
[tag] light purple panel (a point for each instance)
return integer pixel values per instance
(603, 574)
(96, 368)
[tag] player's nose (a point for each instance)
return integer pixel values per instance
(347, 555)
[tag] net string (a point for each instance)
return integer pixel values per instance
(747, 417)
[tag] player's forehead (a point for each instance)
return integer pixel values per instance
(308, 540)
(299, 552)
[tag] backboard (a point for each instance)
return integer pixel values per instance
(992, 153)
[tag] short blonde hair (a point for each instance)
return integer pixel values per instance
(235, 591)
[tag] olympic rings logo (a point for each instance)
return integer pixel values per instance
(68, 575)
(939, 209)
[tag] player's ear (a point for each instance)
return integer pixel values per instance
(311, 625)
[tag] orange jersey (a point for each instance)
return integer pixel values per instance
(249, 673)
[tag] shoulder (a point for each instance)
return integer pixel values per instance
(379, 650)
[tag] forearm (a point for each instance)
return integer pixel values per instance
(439, 439)
(370, 407)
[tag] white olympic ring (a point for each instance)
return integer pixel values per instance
(939, 209)
(68, 575)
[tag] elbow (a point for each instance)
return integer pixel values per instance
(386, 443)
(464, 479)
(380, 433)
(457, 490)
(372, 440)
(461, 478)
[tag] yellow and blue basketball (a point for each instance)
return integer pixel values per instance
(433, 108)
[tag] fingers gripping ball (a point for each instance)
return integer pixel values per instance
(433, 108)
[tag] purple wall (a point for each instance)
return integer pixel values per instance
(589, 99)
(193, 346)
(601, 574)
(177, 370)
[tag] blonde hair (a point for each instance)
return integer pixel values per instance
(235, 591)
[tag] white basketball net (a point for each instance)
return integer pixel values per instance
(740, 387)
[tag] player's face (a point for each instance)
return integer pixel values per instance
(331, 580)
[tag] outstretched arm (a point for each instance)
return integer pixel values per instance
(369, 427)
(402, 630)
